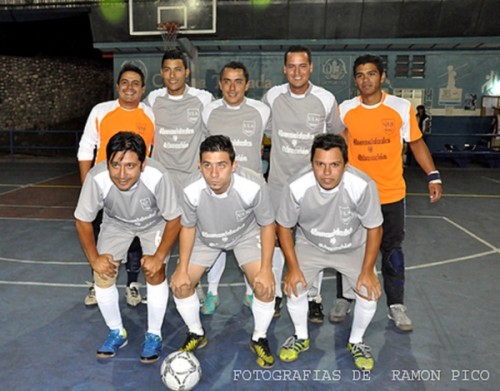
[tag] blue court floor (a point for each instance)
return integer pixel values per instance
(48, 337)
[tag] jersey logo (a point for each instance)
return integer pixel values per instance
(193, 115)
(249, 128)
(146, 204)
(313, 120)
(388, 125)
(241, 215)
(345, 214)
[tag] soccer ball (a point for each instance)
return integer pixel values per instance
(180, 371)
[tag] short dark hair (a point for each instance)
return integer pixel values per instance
(299, 49)
(174, 54)
(131, 68)
(369, 59)
(126, 141)
(235, 65)
(328, 141)
(218, 143)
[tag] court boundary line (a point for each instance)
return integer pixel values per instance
(37, 184)
(238, 284)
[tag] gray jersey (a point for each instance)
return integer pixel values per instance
(332, 220)
(243, 124)
(178, 128)
(222, 220)
(295, 120)
(152, 200)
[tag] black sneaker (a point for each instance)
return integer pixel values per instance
(193, 341)
(277, 307)
(315, 314)
(265, 358)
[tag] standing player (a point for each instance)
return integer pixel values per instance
(177, 108)
(299, 111)
(139, 200)
(376, 126)
(336, 211)
(242, 120)
(105, 120)
(225, 208)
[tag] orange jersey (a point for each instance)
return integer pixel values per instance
(108, 118)
(375, 136)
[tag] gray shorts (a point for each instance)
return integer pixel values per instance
(116, 240)
(248, 249)
(312, 260)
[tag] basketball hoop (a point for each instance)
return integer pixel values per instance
(169, 31)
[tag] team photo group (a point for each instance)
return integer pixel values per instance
(177, 168)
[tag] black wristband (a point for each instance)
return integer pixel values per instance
(434, 177)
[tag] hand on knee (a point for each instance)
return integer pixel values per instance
(264, 295)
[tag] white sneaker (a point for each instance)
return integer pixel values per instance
(133, 295)
(340, 310)
(90, 299)
(397, 313)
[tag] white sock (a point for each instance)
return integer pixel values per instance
(297, 309)
(189, 309)
(157, 306)
(364, 310)
(107, 301)
(215, 273)
(315, 290)
(278, 264)
(249, 289)
(262, 316)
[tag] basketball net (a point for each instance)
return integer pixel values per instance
(168, 31)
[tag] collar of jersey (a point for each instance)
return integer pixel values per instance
(234, 107)
(332, 191)
(375, 105)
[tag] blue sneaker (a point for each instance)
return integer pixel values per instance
(114, 342)
(210, 304)
(152, 349)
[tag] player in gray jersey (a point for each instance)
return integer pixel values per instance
(243, 120)
(299, 111)
(336, 211)
(177, 109)
(225, 208)
(138, 199)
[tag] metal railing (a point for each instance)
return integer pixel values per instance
(15, 141)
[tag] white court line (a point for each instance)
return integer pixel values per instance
(491, 179)
(34, 219)
(237, 284)
(28, 185)
(36, 206)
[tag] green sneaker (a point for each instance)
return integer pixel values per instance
(362, 356)
(193, 341)
(292, 348)
(248, 300)
(210, 304)
(265, 358)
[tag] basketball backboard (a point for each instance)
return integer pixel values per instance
(193, 16)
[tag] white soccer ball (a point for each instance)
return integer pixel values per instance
(180, 371)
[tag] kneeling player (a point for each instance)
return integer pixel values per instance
(336, 211)
(138, 199)
(225, 208)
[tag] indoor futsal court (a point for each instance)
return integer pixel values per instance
(49, 337)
